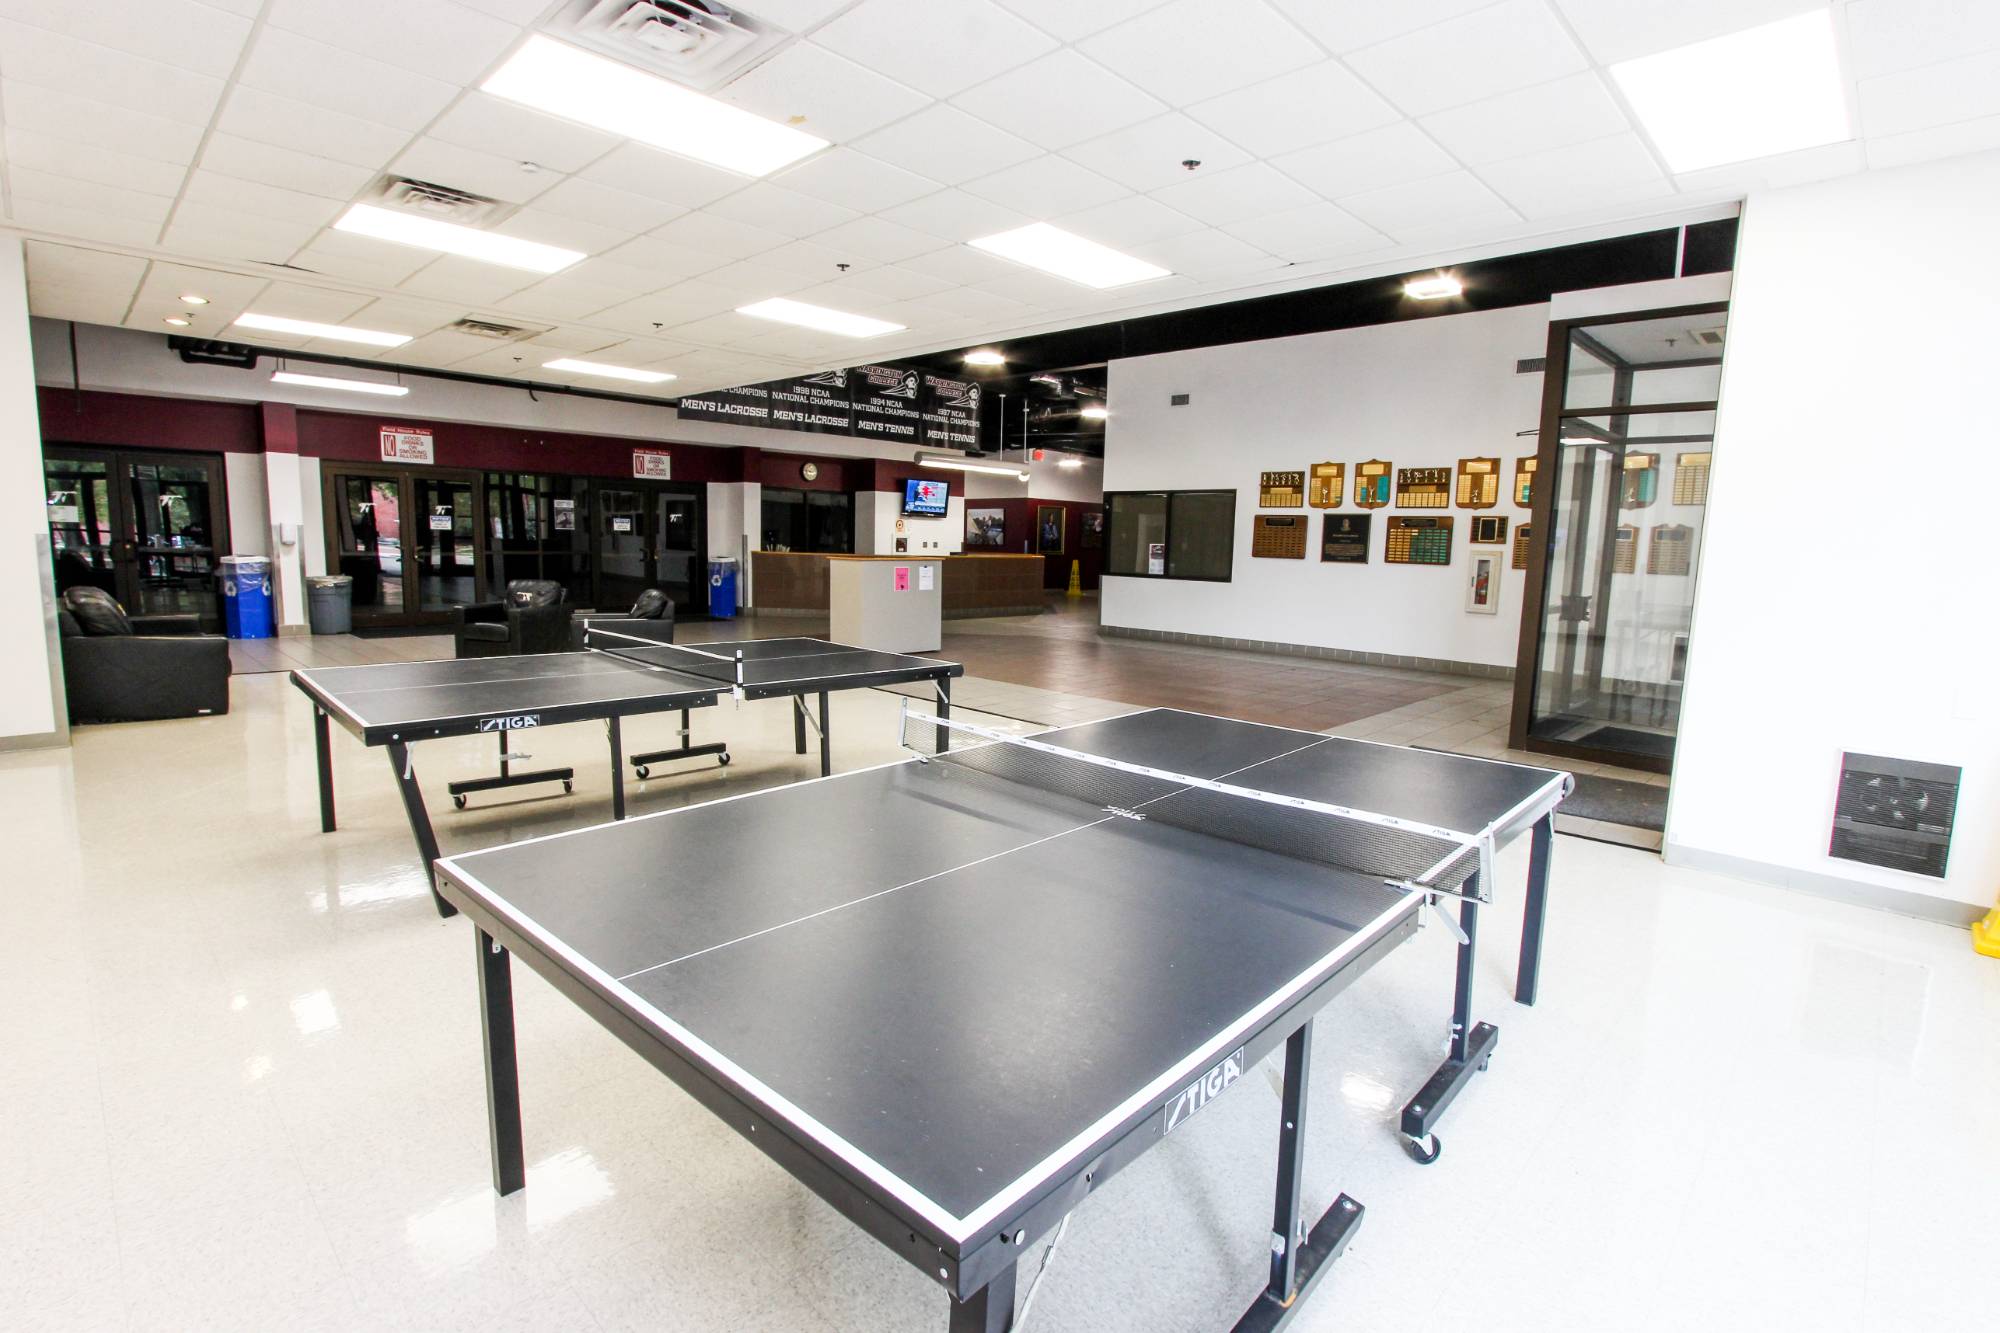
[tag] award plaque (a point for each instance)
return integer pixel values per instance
(1524, 481)
(1423, 488)
(1371, 483)
(1523, 535)
(1672, 551)
(1418, 541)
(1489, 530)
(1281, 490)
(1478, 483)
(1691, 479)
(1625, 551)
(1326, 485)
(1641, 482)
(1344, 539)
(1279, 536)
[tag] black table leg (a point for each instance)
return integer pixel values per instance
(1300, 1258)
(420, 819)
(464, 787)
(1471, 1043)
(988, 1310)
(825, 742)
(321, 743)
(1540, 848)
(944, 713)
(503, 755)
(799, 723)
(617, 767)
(642, 763)
(503, 1081)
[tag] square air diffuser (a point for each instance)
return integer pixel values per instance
(1895, 813)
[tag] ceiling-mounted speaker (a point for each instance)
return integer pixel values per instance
(1895, 813)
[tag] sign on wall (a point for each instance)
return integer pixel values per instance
(654, 463)
(951, 413)
(886, 403)
(407, 444)
(816, 403)
(747, 406)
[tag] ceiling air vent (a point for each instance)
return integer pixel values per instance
(435, 201)
(486, 328)
(1895, 813)
(1706, 337)
(700, 43)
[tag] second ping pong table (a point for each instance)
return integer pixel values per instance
(619, 675)
(962, 990)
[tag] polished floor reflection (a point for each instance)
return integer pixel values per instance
(241, 1089)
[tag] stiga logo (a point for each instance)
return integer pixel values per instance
(515, 723)
(1203, 1090)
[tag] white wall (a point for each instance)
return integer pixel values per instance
(28, 692)
(1856, 383)
(1047, 480)
(1422, 393)
(877, 512)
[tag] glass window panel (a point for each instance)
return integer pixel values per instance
(1201, 534)
(1136, 522)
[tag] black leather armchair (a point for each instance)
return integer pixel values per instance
(530, 619)
(120, 668)
(651, 617)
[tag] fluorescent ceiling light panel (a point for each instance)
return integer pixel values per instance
(1095, 414)
(575, 367)
(305, 328)
(1067, 255)
(559, 80)
(985, 357)
(1070, 462)
(957, 464)
(818, 317)
(331, 382)
(1433, 288)
(387, 224)
(1770, 89)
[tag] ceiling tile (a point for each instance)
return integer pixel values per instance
(296, 300)
(214, 231)
(749, 280)
(961, 264)
(808, 259)
(775, 208)
(468, 169)
(1571, 110)
(479, 120)
(1772, 173)
(1124, 223)
(84, 224)
(1611, 170)
(1890, 36)
(179, 33)
(72, 192)
(1070, 21)
(937, 49)
(1966, 136)
(38, 56)
(894, 282)
(568, 339)
(706, 236)
(833, 97)
(537, 224)
(451, 278)
(854, 180)
(1940, 94)
(1205, 253)
(946, 144)
(75, 266)
(873, 238)
(1510, 45)
(360, 259)
(298, 67)
(228, 293)
(972, 303)
(247, 159)
(1046, 186)
(1317, 231)
(956, 215)
(1150, 155)
(1614, 30)
(658, 260)
(798, 15)
(591, 202)
(564, 297)
(1059, 100)
(675, 180)
(1348, 25)
(431, 37)
(259, 200)
(1296, 110)
(286, 122)
(105, 166)
(61, 114)
(85, 305)
(1188, 50)
(1241, 192)
(1428, 206)
(1388, 156)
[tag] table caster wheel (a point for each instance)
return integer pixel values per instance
(642, 772)
(1485, 1063)
(723, 760)
(568, 787)
(458, 801)
(1421, 1155)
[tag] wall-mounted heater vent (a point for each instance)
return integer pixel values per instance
(1531, 365)
(700, 43)
(486, 328)
(1706, 337)
(1895, 813)
(435, 201)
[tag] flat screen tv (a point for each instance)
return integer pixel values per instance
(927, 498)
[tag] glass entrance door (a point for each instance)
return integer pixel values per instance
(447, 563)
(623, 569)
(369, 541)
(147, 528)
(410, 540)
(649, 535)
(676, 550)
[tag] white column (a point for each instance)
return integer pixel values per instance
(31, 704)
(285, 498)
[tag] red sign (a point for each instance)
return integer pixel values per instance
(656, 463)
(407, 444)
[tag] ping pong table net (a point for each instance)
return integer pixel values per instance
(717, 662)
(1232, 807)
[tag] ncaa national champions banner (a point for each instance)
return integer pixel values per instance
(874, 402)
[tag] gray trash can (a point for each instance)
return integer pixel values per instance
(330, 603)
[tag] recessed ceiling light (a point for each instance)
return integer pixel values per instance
(985, 357)
(576, 367)
(305, 328)
(1067, 255)
(818, 317)
(1070, 462)
(333, 382)
(469, 242)
(559, 80)
(1095, 412)
(1434, 288)
(189, 298)
(179, 321)
(1770, 89)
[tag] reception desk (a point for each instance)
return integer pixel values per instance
(796, 582)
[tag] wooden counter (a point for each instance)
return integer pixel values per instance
(795, 582)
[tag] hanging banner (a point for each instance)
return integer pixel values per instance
(816, 403)
(407, 444)
(886, 403)
(748, 406)
(950, 413)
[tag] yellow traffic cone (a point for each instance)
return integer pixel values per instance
(1986, 934)
(1075, 578)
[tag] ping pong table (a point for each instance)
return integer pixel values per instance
(618, 675)
(962, 990)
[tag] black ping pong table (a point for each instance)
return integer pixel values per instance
(617, 676)
(962, 990)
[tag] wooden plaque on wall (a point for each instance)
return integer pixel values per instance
(1524, 481)
(1324, 492)
(1344, 539)
(1672, 550)
(1423, 488)
(1489, 530)
(1279, 537)
(1281, 490)
(1418, 541)
(1523, 535)
(1478, 483)
(1691, 479)
(1625, 551)
(1371, 483)
(1641, 482)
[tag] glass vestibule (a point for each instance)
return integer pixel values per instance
(1622, 487)
(408, 537)
(145, 527)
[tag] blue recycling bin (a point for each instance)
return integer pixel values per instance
(246, 596)
(722, 587)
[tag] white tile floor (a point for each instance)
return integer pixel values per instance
(240, 1088)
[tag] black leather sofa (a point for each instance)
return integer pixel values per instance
(120, 668)
(651, 617)
(531, 618)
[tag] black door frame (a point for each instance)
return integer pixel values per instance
(406, 476)
(696, 493)
(125, 555)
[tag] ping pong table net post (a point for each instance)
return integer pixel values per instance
(1231, 807)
